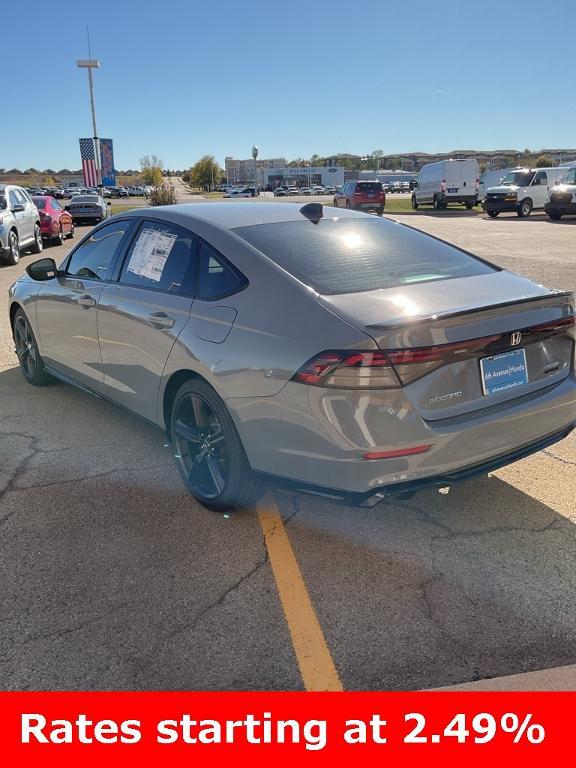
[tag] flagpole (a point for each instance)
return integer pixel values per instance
(91, 64)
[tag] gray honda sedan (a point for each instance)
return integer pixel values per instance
(332, 351)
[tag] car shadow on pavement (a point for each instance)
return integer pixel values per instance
(440, 589)
(113, 577)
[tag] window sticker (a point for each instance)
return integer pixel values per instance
(151, 253)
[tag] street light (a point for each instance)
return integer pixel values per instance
(255, 156)
(91, 64)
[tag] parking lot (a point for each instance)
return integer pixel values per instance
(116, 579)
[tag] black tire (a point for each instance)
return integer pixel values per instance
(38, 244)
(71, 233)
(59, 239)
(525, 208)
(31, 363)
(13, 256)
(335, 203)
(437, 203)
(469, 206)
(348, 204)
(414, 203)
(208, 449)
(554, 216)
(380, 211)
(493, 214)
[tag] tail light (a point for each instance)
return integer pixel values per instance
(394, 368)
(477, 183)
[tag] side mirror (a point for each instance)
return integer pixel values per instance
(43, 269)
(18, 208)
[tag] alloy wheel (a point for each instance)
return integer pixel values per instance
(201, 448)
(25, 347)
(14, 248)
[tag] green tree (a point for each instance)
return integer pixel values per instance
(151, 170)
(316, 160)
(544, 161)
(206, 173)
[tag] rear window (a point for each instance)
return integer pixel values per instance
(347, 255)
(39, 202)
(369, 186)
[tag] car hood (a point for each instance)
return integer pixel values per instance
(504, 188)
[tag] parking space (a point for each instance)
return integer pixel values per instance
(116, 579)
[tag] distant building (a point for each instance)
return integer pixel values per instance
(304, 176)
(242, 171)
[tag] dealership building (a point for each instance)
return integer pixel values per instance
(302, 176)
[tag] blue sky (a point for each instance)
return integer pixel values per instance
(181, 78)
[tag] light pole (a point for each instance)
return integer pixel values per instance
(255, 156)
(91, 64)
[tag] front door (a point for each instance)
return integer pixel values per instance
(141, 316)
(67, 307)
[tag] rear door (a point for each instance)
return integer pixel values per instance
(22, 217)
(142, 314)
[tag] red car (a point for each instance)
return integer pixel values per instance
(55, 221)
(361, 196)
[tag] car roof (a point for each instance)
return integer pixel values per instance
(235, 214)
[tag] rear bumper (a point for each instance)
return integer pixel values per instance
(368, 204)
(374, 496)
(318, 437)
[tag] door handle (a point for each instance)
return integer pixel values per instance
(161, 320)
(86, 301)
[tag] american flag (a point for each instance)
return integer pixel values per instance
(89, 163)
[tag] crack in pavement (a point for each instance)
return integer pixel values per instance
(91, 477)
(193, 623)
(559, 458)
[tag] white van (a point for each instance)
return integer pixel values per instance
(491, 179)
(448, 181)
(522, 190)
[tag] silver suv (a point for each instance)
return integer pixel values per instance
(19, 223)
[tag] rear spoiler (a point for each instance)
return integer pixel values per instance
(458, 313)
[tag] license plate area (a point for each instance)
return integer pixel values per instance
(503, 372)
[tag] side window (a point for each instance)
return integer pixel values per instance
(23, 196)
(92, 259)
(14, 199)
(56, 205)
(540, 179)
(161, 257)
(216, 277)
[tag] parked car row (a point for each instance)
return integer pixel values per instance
(517, 190)
(28, 221)
(524, 190)
(318, 189)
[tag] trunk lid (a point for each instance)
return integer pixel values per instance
(456, 324)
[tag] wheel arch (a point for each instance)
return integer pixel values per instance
(172, 386)
(14, 307)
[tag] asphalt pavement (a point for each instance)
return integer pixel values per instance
(112, 577)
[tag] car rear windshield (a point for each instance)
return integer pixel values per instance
(345, 255)
(39, 202)
(369, 186)
(85, 199)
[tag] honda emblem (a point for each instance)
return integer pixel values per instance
(515, 338)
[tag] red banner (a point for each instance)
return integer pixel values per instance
(107, 729)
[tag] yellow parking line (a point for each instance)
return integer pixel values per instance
(313, 656)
